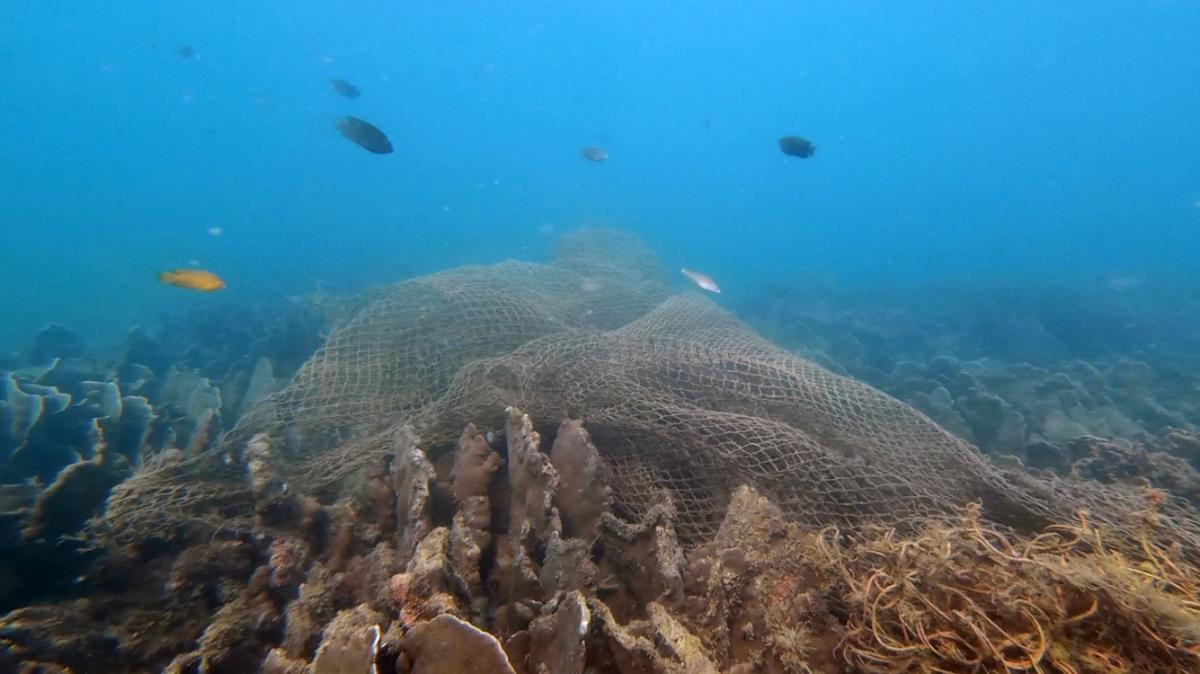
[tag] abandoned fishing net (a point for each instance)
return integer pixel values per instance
(683, 400)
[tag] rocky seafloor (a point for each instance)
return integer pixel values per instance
(502, 553)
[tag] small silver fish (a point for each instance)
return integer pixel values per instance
(701, 280)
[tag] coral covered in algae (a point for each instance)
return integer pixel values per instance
(457, 558)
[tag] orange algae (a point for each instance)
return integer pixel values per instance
(966, 596)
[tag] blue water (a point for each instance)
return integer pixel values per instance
(1019, 139)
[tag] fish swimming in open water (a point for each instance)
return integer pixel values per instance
(192, 279)
(701, 280)
(795, 146)
(594, 154)
(364, 134)
(344, 88)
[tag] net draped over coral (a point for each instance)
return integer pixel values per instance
(679, 396)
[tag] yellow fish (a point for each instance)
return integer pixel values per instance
(195, 279)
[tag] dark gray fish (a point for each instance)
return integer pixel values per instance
(795, 146)
(186, 52)
(594, 154)
(365, 134)
(344, 88)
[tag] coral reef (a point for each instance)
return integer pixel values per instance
(1018, 371)
(457, 558)
(76, 422)
(681, 497)
(70, 434)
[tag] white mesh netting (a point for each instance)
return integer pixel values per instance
(677, 394)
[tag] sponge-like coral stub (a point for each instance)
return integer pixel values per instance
(583, 491)
(447, 645)
(474, 465)
(557, 637)
(412, 478)
(350, 644)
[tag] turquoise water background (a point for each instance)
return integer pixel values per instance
(1023, 140)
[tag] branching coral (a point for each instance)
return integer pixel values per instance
(966, 596)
